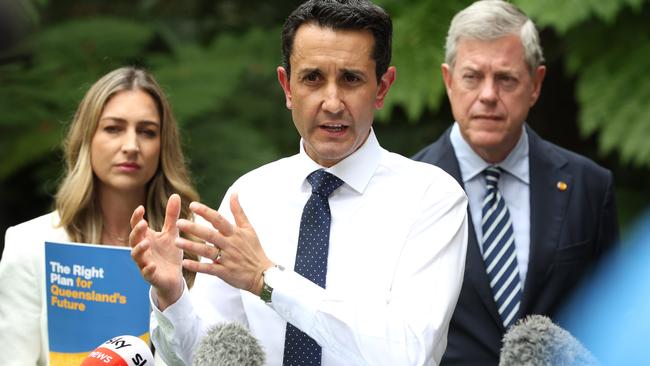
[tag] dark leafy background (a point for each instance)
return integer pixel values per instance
(217, 59)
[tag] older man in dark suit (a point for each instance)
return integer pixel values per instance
(541, 215)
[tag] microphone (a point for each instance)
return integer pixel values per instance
(229, 344)
(536, 340)
(123, 350)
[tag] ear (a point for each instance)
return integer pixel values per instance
(384, 85)
(283, 79)
(538, 79)
(446, 76)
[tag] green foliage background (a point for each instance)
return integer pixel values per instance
(217, 60)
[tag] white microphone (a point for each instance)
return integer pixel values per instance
(229, 344)
(123, 350)
(536, 340)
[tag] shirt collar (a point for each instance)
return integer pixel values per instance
(471, 164)
(356, 170)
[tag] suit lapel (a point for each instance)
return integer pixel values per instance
(548, 206)
(475, 273)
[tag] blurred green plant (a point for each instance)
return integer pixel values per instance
(217, 59)
(611, 90)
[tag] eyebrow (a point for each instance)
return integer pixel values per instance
(353, 71)
(122, 120)
(310, 70)
(469, 68)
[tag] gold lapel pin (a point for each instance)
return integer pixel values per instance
(562, 186)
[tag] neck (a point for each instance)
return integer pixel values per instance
(492, 156)
(117, 208)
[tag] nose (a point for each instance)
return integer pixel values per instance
(130, 143)
(333, 103)
(489, 91)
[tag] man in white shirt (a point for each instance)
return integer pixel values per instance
(395, 237)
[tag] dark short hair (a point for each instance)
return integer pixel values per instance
(342, 15)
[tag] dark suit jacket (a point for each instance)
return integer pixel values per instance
(569, 231)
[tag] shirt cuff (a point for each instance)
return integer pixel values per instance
(296, 299)
(175, 313)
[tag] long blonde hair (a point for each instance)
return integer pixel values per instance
(75, 200)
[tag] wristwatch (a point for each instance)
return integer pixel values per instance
(267, 284)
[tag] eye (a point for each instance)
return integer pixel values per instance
(112, 129)
(507, 81)
(312, 77)
(351, 78)
(148, 132)
(470, 76)
(470, 79)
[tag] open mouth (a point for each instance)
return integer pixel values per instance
(334, 128)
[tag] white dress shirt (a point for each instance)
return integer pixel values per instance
(514, 185)
(395, 267)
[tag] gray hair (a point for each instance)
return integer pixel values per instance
(492, 19)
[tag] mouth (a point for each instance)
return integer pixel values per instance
(334, 127)
(487, 117)
(128, 166)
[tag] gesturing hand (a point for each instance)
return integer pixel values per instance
(241, 259)
(156, 254)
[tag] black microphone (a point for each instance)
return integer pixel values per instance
(536, 340)
(229, 344)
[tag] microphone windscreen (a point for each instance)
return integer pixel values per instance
(536, 340)
(121, 351)
(229, 344)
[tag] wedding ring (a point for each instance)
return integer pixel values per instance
(218, 256)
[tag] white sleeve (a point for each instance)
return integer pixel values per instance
(176, 331)
(20, 303)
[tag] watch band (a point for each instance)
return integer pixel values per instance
(267, 289)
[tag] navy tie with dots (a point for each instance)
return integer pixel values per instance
(311, 261)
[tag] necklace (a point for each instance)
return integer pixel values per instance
(114, 239)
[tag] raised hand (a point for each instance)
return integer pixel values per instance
(238, 257)
(156, 254)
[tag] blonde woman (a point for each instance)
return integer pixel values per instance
(122, 150)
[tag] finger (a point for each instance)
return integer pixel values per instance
(137, 216)
(204, 233)
(200, 249)
(138, 253)
(240, 217)
(213, 217)
(172, 213)
(138, 233)
(203, 267)
(148, 271)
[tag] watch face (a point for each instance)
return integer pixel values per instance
(267, 291)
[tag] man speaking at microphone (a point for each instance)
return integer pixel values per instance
(343, 254)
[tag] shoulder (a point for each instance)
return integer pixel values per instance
(48, 222)
(269, 171)
(573, 163)
(434, 151)
(411, 174)
(24, 246)
(30, 234)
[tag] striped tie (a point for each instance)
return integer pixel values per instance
(499, 250)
